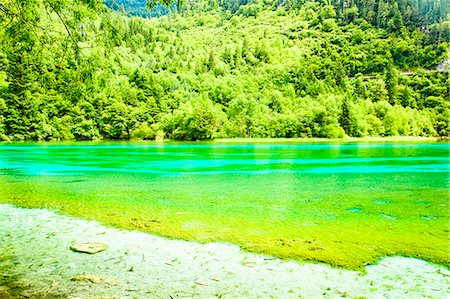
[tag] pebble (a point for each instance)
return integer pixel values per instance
(89, 247)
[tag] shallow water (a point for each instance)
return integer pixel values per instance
(139, 265)
(340, 203)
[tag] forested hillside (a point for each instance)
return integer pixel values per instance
(76, 70)
(138, 8)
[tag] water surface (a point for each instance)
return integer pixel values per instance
(342, 203)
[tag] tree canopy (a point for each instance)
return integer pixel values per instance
(76, 70)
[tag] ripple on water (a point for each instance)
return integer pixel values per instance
(354, 210)
(75, 181)
(382, 201)
(428, 217)
(390, 217)
(314, 199)
(278, 208)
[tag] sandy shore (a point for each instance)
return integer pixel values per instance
(39, 264)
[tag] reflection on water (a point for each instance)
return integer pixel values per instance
(248, 176)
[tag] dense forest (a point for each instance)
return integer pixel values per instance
(139, 8)
(77, 70)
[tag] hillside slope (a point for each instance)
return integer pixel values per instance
(204, 74)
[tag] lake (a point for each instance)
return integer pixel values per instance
(345, 204)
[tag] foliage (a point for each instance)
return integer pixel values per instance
(74, 70)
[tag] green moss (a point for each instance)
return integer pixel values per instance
(10, 285)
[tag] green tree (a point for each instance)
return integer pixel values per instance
(391, 82)
(197, 119)
(344, 120)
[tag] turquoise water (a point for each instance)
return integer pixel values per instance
(217, 159)
(340, 195)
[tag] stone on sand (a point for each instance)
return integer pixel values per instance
(89, 247)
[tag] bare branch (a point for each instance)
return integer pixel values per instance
(62, 21)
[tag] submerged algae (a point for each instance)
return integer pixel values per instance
(341, 240)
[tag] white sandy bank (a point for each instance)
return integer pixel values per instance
(139, 265)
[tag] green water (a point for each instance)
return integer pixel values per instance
(346, 204)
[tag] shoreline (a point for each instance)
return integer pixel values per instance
(245, 140)
(335, 140)
(140, 265)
